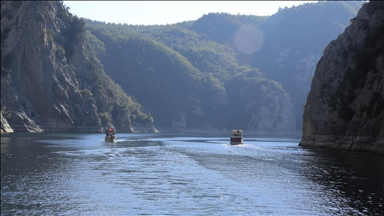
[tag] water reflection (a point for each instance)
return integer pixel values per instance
(355, 179)
(29, 174)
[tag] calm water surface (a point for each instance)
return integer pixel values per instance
(165, 174)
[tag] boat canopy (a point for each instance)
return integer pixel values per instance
(237, 132)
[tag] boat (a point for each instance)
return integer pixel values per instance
(110, 135)
(237, 137)
(110, 138)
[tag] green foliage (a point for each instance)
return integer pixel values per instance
(6, 113)
(5, 72)
(117, 97)
(60, 50)
(104, 117)
(72, 34)
(171, 70)
(220, 27)
(103, 87)
(86, 93)
(295, 35)
(177, 69)
(51, 35)
(97, 46)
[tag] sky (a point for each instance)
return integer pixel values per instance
(169, 12)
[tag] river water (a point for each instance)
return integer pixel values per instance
(175, 174)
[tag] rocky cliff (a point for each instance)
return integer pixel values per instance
(345, 106)
(50, 81)
(294, 41)
(263, 105)
(272, 113)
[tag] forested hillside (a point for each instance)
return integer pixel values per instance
(223, 71)
(184, 96)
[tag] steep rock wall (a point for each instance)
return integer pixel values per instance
(5, 128)
(345, 107)
(272, 113)
(49, 79)
(260, 107)
(41, 89)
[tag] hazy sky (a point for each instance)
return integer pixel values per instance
(169, 12)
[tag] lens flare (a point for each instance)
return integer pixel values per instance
(248, 39)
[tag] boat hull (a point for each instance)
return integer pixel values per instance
(111, 138)
(237, 137)
(236, 141)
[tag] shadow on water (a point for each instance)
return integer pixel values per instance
(29, 171)
(23, 151)
(356, 177)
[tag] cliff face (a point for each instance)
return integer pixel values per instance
(47, 71)
(261, 107)
(345, 107)
(5, 128)
(294, 41)
(271, 112)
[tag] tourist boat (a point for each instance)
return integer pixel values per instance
(110, 138)
(236, 137)
(110, 135)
